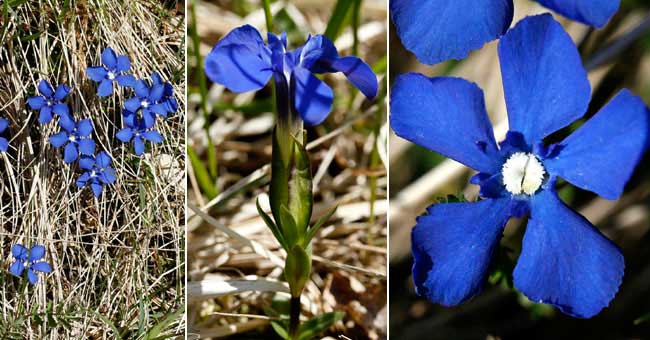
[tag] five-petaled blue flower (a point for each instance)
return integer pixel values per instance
(97, 172)
(168, 99)
(137, 131)
(241, 62)
(565, 261)
(32, 261)
(113, 70)
(50, 102)
(438, 30)
(148, 99)
(4, 143)
(76, 138)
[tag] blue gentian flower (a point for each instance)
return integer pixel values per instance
(50, 102)
(565, 261)
(4, 143)
(114, 69)
(32, 261)
(76, 138)
(168, 99)
(148, 100)
(438, 30)
(242, 62)
(97, 172)
(137, 131)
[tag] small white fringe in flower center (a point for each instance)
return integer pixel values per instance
(523, 173)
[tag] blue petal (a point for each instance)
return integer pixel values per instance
(96, 73)
(565, 261)
(138, 145)
(17, 268)
(123, 63)
(85, 127)
(312, 98)
(590, 12)
(45, 89)
(3, 125)
(601, 155)
(108, 176)
(109, 58)
(141, 88)
(125, 135)
(237, 68)
(159, 109)
(70, 153)
(83, 179)
(61, 109)
(152, 136)
(156, 79)
(171, 105)
(149, 118)
(87, 147)
(86, 162)
(130, 118)
(103, 159)
(45, 115)
(36, 253)
(132, 104)
(358, 73)
(125, 80)
(545, 84)
(42, 267)
(248, 36)
(97, 188)
(32, 277)
(105, 88)
(437, 30)
(67, 123)
(156, 93)
(445, 115)
(453, 246)
(317, 48)
(36, 102)
(61, 92)
(4, 144)
(59, 139)
(19, 252)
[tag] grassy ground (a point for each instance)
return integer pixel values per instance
(418, 177)
(235, 281)
(118, 260)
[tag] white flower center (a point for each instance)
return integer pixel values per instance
(72, 138)
(523, 173)
(144, 104)
(49, 103)
(93, 174)
(111, 75)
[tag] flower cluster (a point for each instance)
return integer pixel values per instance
(31, 260)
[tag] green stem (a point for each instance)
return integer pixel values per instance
(294, 318)
(356, 19)
(268, 15)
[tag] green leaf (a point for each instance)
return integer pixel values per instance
(319, 223)
(338, 18)
(318, 324)
(161, 327)
(297, 268)
(280, 329)
(201, 173)
(274, 228)
(289, 229)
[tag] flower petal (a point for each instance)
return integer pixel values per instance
(36, 102)
(545, 84)
(17, 268)
(123, 63)
(67, 123)
(565, 261)
(453, 246)
(97, 188)
(59, 139)
(590, 12)
(87, 146)
(4, 144)
(159, 109)
(61, 92)
(36, 253)
(70, 153)
(141, 89)
(42, 267)
(32, 277)
(83, 179)
(132, 104)
(149, 118)
(105, 88)
(125, 80)
(108, 176)
(109, 58)
(156, 92)
(312, 98)
(437, 30)
(125, 135)
(86, 162)
(85, 127)
(19, 252)
(445, 115)
(45, 115)
(601, 155)
(359, 74)
(152, 136)
(96, 73)
(3, 125)
(103, 159)
(138, 145)
(45, 88)
(61, 109)
(238, 68)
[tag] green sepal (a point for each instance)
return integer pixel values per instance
(280, 164)
(300, 188)
(292, 235)
(297, 268)
(274, 228)
(319, 223)
(318, 324)
(280, 330)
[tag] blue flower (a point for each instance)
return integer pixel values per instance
(97, 172)
(148, 100)
(438, 30)
(50, 102)
(114, 69)
(34, 263)
(138, 132)
(76, 138)
(4, 143)
(565, 261)
(242, 62)
(168, 99)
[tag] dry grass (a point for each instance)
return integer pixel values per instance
(118, 260)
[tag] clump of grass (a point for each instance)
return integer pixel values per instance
(118, 260)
